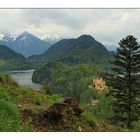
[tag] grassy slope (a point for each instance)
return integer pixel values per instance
(15, 99)
(20, 107)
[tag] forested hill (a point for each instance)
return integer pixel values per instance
(10, 60)
(84, 49)
(8, 54)
(67, 78)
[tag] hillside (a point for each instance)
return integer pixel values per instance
(8, 54)
(11, 60)
(68, 80)
(37, 111)
(84, 49)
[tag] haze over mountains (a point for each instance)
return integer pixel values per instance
(52, 39)
(82, 50)
(111, 47)
(27, 43)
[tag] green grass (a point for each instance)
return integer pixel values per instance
(15, 100)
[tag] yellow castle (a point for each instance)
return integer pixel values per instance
(99, 83)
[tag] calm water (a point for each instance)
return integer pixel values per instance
(24, 77)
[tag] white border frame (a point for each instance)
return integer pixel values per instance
(69, 3)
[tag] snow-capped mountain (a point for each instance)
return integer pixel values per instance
(26, 44)
(8, 37)
(1, 36)
(52, 39)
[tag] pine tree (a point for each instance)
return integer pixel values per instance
(125, 81)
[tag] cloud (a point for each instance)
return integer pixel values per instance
(105, 25)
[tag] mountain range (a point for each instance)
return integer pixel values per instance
(53, 39)
(84, 49)
(26, 43)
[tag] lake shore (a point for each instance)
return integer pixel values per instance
(24, 78)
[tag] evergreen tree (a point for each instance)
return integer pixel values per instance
(125, 81)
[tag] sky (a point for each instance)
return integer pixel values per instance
(105, 25)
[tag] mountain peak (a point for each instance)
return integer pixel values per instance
(86, 37)
(52, 39)
(25, 33)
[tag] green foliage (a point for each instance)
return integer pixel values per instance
(136, 125)
(9, 113)
(104, 109)
(3, 94)
(10, 60)
(91, 119)
(54, 98)
(84, 91)
(2, 62)
(7, 123)
(11, 109)
(68, 80)
(37, 101)
(10, 97)
(7, 53)
(5, 79)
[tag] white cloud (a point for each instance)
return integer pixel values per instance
(106, 25)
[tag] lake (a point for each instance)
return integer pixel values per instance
(24, 77)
